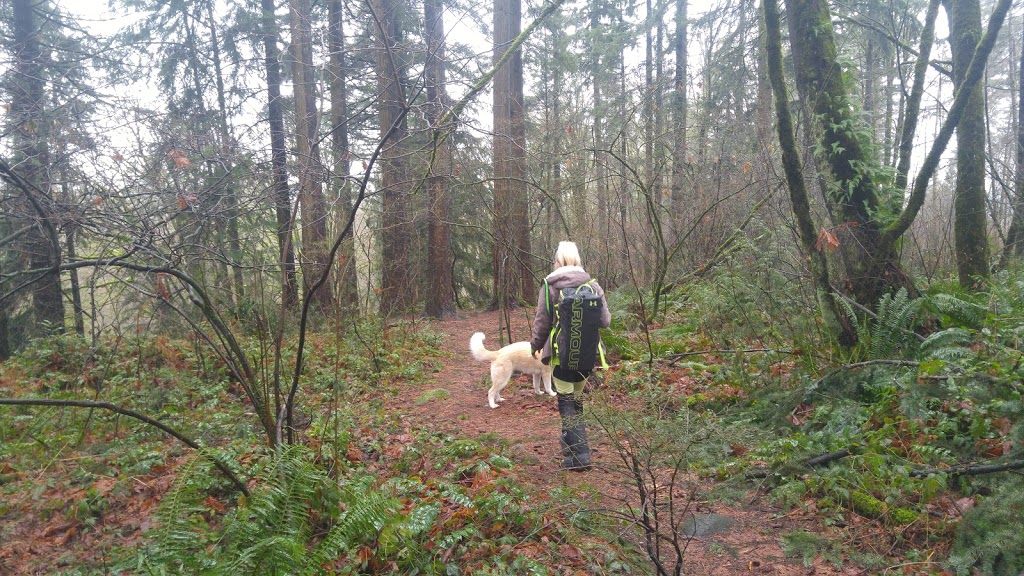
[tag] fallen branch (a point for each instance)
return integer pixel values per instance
(970, 470)
(916, 473)
(810, 463)
(886, 362)
(673, 358)
(132, 414)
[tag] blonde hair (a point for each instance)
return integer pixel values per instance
(567, 254)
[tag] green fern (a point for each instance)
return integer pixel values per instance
(366, 515)
(949, 345)
(892, 331)
(863, 331)
(179, 524)
(292, 524)
(958, 311)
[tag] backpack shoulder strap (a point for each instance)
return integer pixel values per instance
(547, 296)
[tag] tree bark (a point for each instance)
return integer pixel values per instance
(513, 280)
(440, 292)
(397, 290)
(348, 292)
(30, 131)
(679, 107)
(648, 107)
(224, 166)
(600, 231)
(969, 223)
(76, 290)
(310, 167)
(5, 307)
(791, 165)
(278, 157)
(913, 107)
(1015, 235)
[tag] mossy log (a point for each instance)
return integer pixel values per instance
(870, 507)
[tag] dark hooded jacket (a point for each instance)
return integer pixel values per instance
(563, 277)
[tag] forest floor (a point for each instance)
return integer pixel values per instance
(37, 539)
(530, 424)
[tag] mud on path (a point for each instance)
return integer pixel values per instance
(530, 425)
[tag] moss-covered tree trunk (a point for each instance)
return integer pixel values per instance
(794, 177)
(845, 149)
(969, 223)
(866, 210)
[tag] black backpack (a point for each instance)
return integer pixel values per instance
(578, 315)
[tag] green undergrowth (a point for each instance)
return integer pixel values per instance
(736, 391)
(359, 492)
(931, 392)
(443, 506)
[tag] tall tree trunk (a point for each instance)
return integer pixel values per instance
(763, 121)
(659, 108)
(513, 279)
(600, 232)
(348, 292)
(441, 292)
(30, 133)
(969, 223)
(872, 266)
(648, 107)
(625, 184)
(310, 169)
(793, 169)
(397, 290)
(76, 290)
(518, 176)
(224, 167)
(278, 157)
(887, 143)
(5, 326)
(1015, 236)
(559, 134)
(679, 106)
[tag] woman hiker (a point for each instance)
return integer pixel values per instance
(568, 273)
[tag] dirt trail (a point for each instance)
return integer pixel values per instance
(530, 424)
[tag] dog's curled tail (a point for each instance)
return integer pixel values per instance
(476, 346)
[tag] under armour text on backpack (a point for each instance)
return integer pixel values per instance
(577, 315)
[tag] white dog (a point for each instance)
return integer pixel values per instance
(516, 357)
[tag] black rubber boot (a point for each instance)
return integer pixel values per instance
(575, 450)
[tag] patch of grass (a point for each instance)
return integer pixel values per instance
(432, 395)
